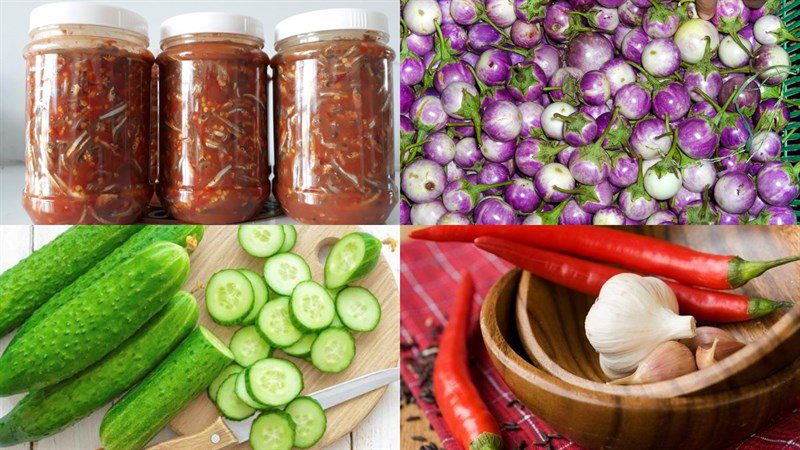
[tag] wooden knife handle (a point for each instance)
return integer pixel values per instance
(217, 436)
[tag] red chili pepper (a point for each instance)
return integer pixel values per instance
(641, 253)
(588, 277)
(465, 414)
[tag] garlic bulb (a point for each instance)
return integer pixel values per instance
(631, 317)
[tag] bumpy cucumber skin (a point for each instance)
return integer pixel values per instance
(96, 321)
(183, 235)
(372, 253)
(30, 283)
(148, 407)
(46, 412)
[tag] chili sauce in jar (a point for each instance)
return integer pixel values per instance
(334, 135)
(87, 121)
(213, 147)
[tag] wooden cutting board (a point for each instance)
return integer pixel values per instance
(376, 350)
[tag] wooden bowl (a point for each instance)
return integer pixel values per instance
(550, 322)
(595, 418)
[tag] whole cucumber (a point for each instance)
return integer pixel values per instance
(35, 279)
(46, 412)
(188, 236)
(147, 408)
(96, 321)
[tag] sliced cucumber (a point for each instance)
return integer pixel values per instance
(301, 348)
(285, 271)
(275, 324)
(241, 392)
(229, 404)
(333, 350)
(261, 241)
(273, 430)
(248, 347)
(311, 307)
(229, 297)
(309, 419)
(290, 237)
(213, 388)
(358, 309)
(273, 381)
(351, 258)
(337, 322)
(260, 292)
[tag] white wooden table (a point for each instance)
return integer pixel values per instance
(380, 430)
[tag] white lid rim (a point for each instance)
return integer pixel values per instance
(90, 14)
(336, 19)
(211, 22)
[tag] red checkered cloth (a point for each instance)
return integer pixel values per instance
(429, 278)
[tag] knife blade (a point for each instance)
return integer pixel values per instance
(329, 397)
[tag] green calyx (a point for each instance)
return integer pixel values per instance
(582, 194)
(660, 13)
(701, 215)
(474, 190)
(704, 66)
(486, 441)
(470, 109)
(760, 307)
(637, 189)
(523, 78)
(551, 217)
(534, 9)
(672, 161)
(731, 27)
(740, 271)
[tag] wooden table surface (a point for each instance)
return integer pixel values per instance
(378, 431)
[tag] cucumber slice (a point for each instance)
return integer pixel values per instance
(229, 404)
(229, 297)
(311, 307)
(275, 324)
(309, 419)
(333, 350)
(272, 431)
(260, 291)
(285, 271)
(358, 309)
(213, 388)
(273, 381)
(301, 348)
(241, 392)
(261, 241)
(248, 347)
(290, 237)
(354, 256)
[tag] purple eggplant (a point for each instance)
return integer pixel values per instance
(427, 213)
(521, 195)
(660, 21)
(661, 57)
(493, 173)
(703, 109)
(530, 10)
(776, 215)
(502, 121)
(735, 192)
(698, 175)
(699, 212)
(427, 114)
(497, 151)
(564, 85)
(624, 169)
(697, 137)
(453, 218)
(772, 64)
(548, 58)
(633, 101)
(594, 198)
(634, 200)
(633, 45)
(462, 195)
(423, 181)
(411, 71)
(650, 139)
(406, 98)
(684, 198)
(772, 114)
(744, 98)
(418, 44)
(495, 211)
(465, 12)
(557, 21)
(482, 36)
(405, 212)
(526, 82)
(663, 179)
(440, 148)
(619, 132)
(619, 35)
(525, 34)
(580, 129)
(531, 119)
(572, 214)
(726, 218)
(467, 153)
(595, 111)
(421, 16)
(550, 177)
(765, 146)
(731, 16)
(734, 130)
(595, 88)
(671, 101)
(733, 160)
(662, 217)
(533, 154)
(777, 183)
(500, 12)
(703, 77)
(452, 72)
(588, 51)
(493, 67)
(453, 172)
(630, 14)
(407, 132)
(457, 36)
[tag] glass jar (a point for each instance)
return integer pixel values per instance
(334, 132)
(214, 160)
(87, 115)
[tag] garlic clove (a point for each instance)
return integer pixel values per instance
(707, 356)
(631, 317)
(705, 336)
(669, 360)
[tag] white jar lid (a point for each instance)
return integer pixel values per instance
(331, 19)
(82, 13)
(211, 22)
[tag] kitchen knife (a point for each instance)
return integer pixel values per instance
(223, 432)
